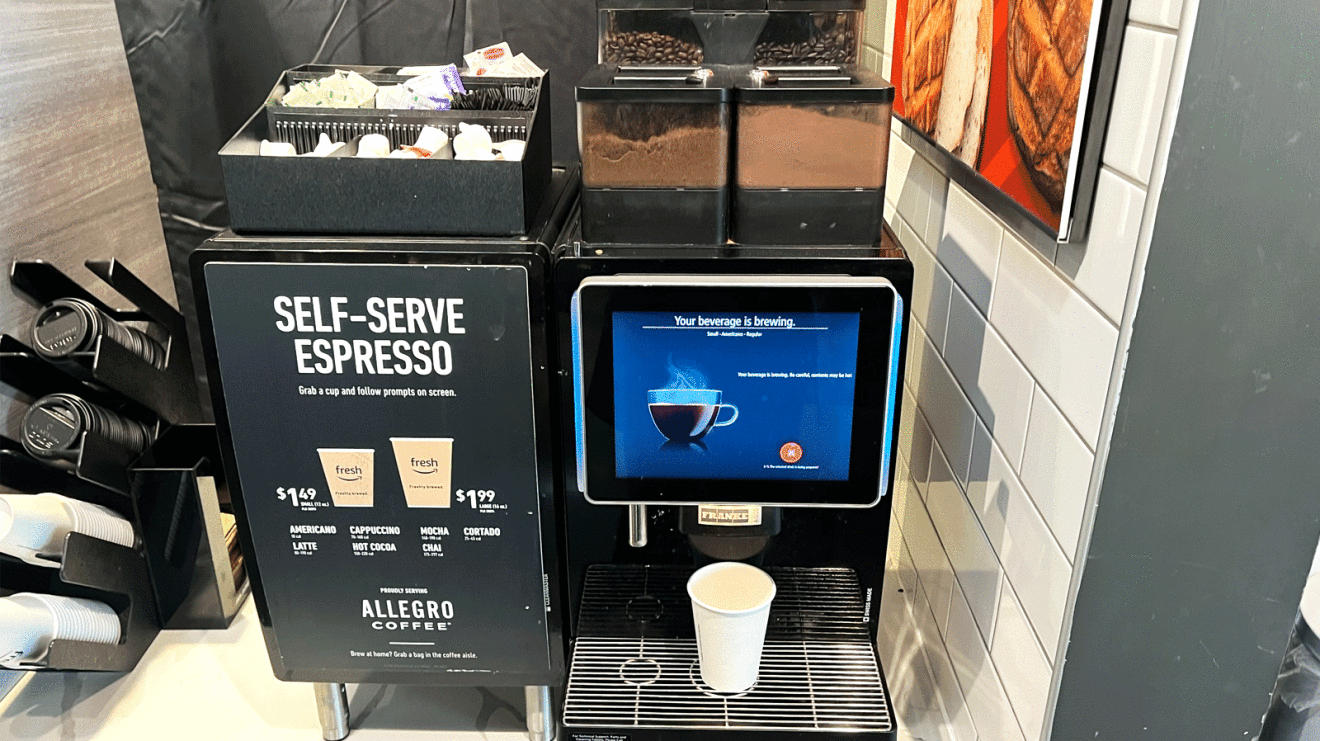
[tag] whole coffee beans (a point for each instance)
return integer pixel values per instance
(647, 47)
(838, 46)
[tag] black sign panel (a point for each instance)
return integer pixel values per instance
(382, 425)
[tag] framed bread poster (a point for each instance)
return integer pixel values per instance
(1015, 91)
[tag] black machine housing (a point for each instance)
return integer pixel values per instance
(828, 562)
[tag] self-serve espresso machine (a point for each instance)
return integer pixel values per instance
(728, 404)
(731, 318)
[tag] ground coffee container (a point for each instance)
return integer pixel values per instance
(655, 154)
(765, 32)
(811, 153)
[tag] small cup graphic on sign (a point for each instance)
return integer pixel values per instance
(349, 472)
(425, 468)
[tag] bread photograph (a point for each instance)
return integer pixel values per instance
(1046, 48)
(998, 85)
(946, 72)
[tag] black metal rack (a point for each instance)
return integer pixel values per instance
(635, 661)
(98, 570)
(170, 578)
(169, 392)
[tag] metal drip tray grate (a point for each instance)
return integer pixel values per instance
(635, 661)
(655, 683)
(651, 601)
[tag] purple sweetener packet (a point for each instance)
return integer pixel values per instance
(450, 74)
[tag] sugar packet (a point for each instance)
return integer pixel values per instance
(306, 95)
(439, 86)
(519, 66)
(481, 61)
(359, 92)
(399, 97)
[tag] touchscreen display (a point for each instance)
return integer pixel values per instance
(723, 395)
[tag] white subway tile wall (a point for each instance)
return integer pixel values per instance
(1022, 666)
(1066, 343)
(1056, 468)
(1163, 13)
(1115, 226)
(1009, 362)
(1139, 102)
(970, 243)
(996, 381)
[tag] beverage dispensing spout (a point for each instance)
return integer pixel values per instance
(637, 525)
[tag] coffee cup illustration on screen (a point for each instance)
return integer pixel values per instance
(688, 414)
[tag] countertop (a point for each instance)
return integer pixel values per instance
(218, 685)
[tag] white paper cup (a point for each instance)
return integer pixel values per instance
(731, 608)
(483, 155)
(30, 621)
(472, 137)
(33, 526)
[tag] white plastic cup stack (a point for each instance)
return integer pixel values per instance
(731, 608)
(29, 622)
(33, 526)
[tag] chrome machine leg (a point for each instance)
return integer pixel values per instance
(332, 709)
(540, 714)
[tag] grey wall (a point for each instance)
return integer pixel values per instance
(1208, 513)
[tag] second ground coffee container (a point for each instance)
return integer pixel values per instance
(811, 154)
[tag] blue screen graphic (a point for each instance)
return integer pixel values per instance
(734, 395)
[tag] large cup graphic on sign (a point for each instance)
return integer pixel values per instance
(425, 468)
(350, 474)
(688, 414)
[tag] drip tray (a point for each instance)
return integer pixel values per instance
(635, 664)
(655, 683)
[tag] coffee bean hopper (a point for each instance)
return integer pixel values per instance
(764, 32)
